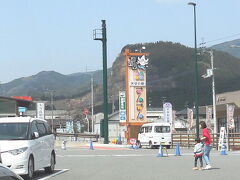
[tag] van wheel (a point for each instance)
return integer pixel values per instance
(139, 144)
(150, 146)
(29, 176)
(51, 168)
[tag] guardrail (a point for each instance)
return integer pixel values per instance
(188, 140)
(77, 137)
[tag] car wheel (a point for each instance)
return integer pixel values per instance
(139, 144)
(29, 176)
(51, 168)
(150, 146)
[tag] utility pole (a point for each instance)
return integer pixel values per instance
(113, 106)
(210, 73)
(51, 94)
(214, 94)
(103, 38)
(91, 98)
(52, 108)
(92, 101)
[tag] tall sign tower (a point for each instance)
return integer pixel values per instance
(136, 105)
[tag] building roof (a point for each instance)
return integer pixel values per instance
(202, 111)
(228, 98)
(20, 102)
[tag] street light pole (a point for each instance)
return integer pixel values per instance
(196, 71)
(103, 38)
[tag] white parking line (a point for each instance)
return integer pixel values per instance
(55, 174)
(107, 155)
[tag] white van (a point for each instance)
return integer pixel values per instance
(26, 145)
(154, 134)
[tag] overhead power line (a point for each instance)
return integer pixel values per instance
(222, 38)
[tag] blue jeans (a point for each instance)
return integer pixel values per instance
(207, 149)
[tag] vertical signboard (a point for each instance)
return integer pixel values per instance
(230, 114)
(167, 112)
(69, 127)
(122, 106)
(173, 121)
(209, 111)
(222, 138)
(136, 74)
(41, 110)
(190, 118)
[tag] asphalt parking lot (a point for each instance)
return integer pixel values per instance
(130, 164)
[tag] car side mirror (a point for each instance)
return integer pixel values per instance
(35, 135)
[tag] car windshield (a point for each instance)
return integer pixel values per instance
(13, 131)
(162, 129)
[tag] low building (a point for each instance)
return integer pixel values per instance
(10, 106)
(115, 130)
(231, 98)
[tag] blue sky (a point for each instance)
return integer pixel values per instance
(37, 35)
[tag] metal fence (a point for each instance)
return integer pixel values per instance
(188, 140)
(77, 137)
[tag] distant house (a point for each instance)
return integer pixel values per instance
(59, 117)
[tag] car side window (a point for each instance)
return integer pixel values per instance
(41, 129)
(34, 127)
(49, 130)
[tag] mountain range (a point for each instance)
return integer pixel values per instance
(64, 86)
(170, 77)
(231, 47)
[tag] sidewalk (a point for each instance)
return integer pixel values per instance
(76, 144)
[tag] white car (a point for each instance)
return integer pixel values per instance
(155, 134)
(26, 145)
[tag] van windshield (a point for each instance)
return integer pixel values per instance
(14, 131)
(162, 129)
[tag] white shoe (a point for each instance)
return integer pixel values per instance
(208, 166)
